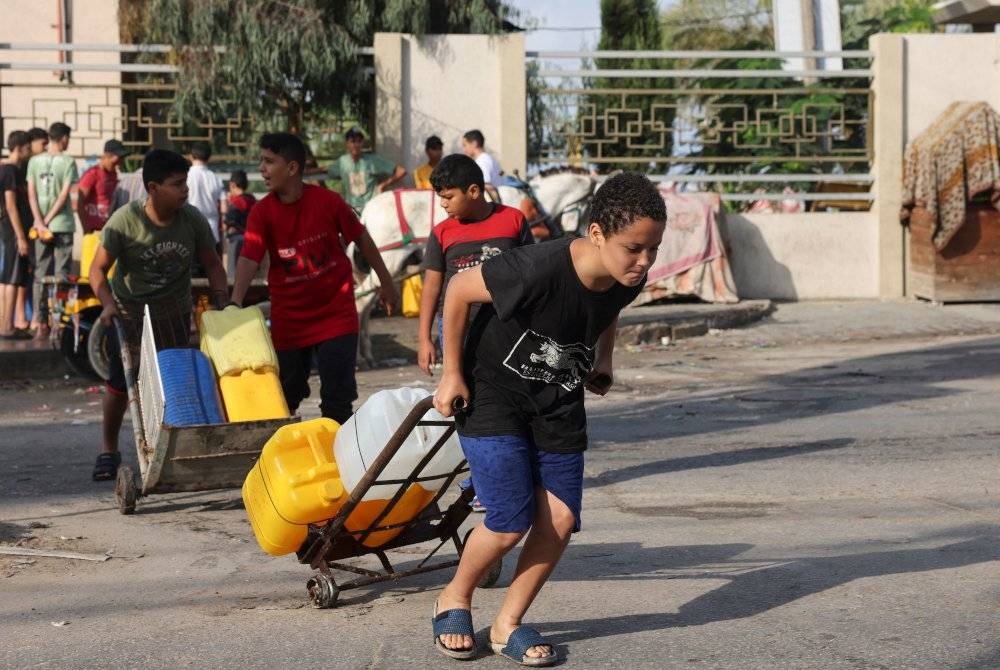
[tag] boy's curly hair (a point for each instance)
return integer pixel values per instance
(457, 171)
(623, 199)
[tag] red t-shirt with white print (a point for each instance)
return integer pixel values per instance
(310, 281)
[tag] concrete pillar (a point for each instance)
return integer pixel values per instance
(391, 95)
(446, 85)
(887, 167)
(513, 147)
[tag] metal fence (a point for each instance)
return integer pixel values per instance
(737, 122)
(134, 102)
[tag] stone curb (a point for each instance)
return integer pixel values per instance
(638, 325)
(650, 324)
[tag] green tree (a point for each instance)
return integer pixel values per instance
(626, 25)
(288, 58)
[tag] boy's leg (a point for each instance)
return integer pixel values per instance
(558, 500)
(62, 254)
(293, 367)
(21, 307)
(502, 474)
(336, 360)
(542, 550)
(114, 406)
(8, 296)
(39, 301)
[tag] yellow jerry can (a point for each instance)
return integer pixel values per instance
(294, 483)
(236, 339)
(253, 395)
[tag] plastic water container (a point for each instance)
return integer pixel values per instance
(253, 395)
(294, 483)
(192, 398)
(88, 249)
(236, 339)
(361, 439)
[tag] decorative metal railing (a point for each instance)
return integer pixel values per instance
(137, 108)
(732, 121)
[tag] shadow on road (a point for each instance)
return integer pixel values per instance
(715, 460)
(748, 592)
(849, 386)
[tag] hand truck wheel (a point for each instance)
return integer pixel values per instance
(492, 575)
(323, 591)
(125, 490)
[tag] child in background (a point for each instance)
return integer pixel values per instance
(15, 220)
(474, 231)
(51, 176)
(235, 219)
(434, 148)
(545, 333)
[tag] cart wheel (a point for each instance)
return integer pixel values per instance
(489, 580)
(323, 591)
(97, 349)
(492, 575)
(76, 351)
(125, 492)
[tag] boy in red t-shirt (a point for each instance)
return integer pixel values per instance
(304, 229)
(96, 189)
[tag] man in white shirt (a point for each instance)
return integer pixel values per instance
(205, 189)
(472, 146)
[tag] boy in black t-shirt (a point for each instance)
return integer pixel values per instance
(475, 231)
(545, 332)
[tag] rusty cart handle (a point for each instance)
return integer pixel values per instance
(138, 432)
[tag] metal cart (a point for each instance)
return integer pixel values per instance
(179, 458)
(329, 543)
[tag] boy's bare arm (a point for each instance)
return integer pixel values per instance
(216, 274)
(398, 173)
(602, 375)
(81, 196)
(426, 355)
(36, 211)
(14, 216)
(464, 290)
(98, 278)
(388, 295)
(245, 270)
(58, 204)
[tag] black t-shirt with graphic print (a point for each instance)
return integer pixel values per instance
(528, 353)
(458, 245)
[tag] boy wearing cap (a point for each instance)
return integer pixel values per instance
(363, 175)
(434, 148)
(96, 190)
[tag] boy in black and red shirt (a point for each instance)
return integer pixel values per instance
(475, 230)
(303, 228)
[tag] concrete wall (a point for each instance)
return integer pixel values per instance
(40, 97)
(804, 256)
(941, 69)
(445, 85)
(916, 78)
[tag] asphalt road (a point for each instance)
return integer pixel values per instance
(819, 491)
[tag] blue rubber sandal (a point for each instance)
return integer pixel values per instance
(520, 641)
(454, 622)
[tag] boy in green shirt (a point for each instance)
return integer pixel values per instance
(154, 243)
(51, 175)
(363, 176)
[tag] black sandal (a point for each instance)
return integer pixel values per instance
(106, 466)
